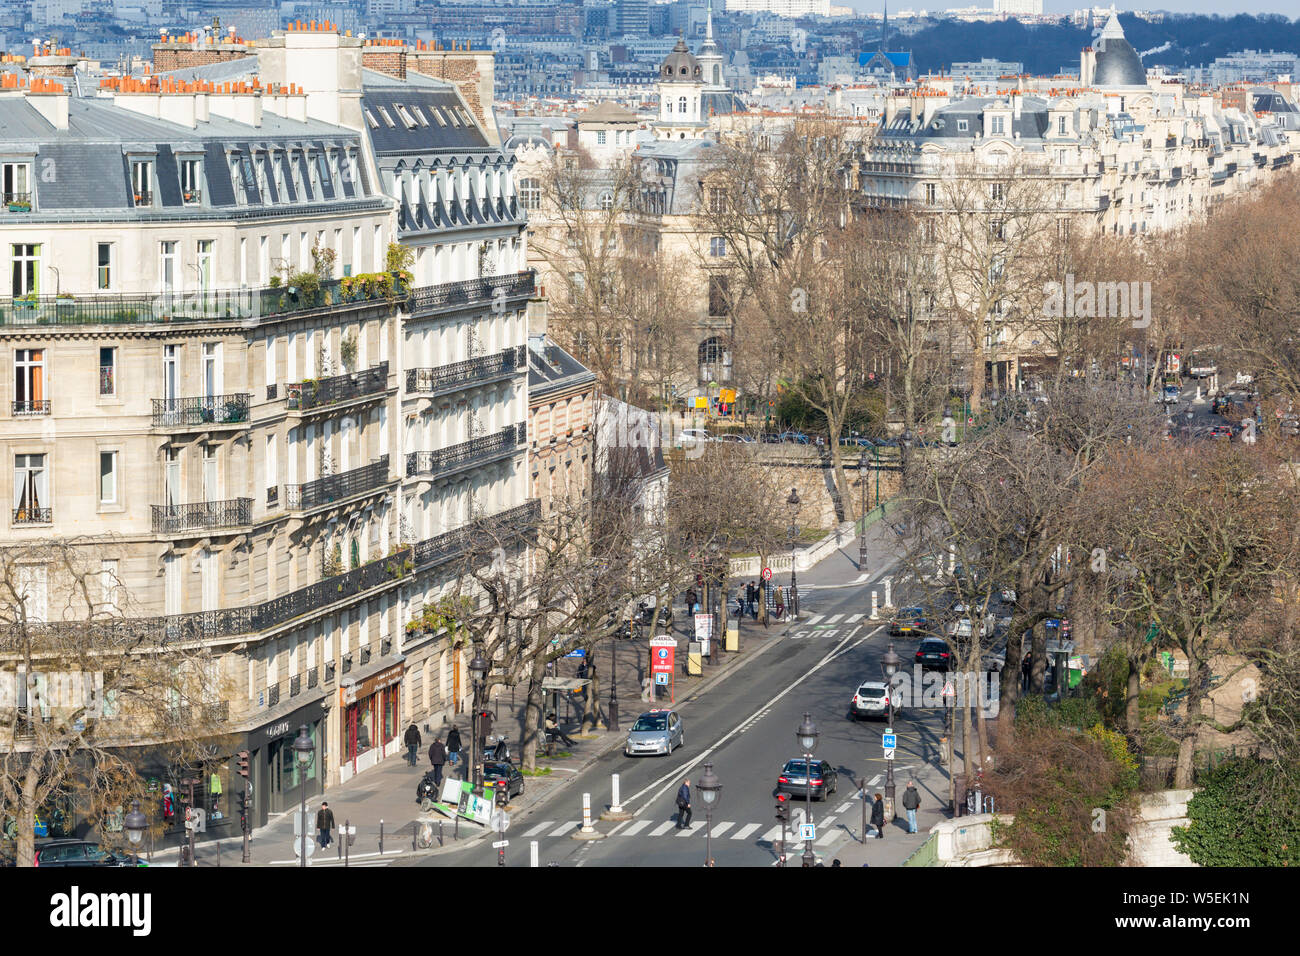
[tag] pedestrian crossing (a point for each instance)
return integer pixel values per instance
(827, 829)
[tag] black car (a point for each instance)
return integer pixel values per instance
(497, 773)
(78, 853)
(793, 778)
(933, 653)
(910, 620)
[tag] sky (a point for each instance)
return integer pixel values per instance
(1288, 8)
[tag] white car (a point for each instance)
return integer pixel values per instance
(691, 436)
(872, 700)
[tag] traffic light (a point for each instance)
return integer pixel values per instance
(782, 808)
(242, 760)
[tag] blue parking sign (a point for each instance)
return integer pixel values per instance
(889, 741)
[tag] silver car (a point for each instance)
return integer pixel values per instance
(655, 732)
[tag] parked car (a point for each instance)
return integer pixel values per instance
(498, 773)
(910, 620)
(859, 441)
(794, 779)
(872, 700)
(795, 437)
(655, 732)
(736, 439)
(691, 436)
(1220, 431)
(78, 853)
(933, 653)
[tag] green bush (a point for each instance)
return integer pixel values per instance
(1247, 813)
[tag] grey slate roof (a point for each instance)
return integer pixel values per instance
(551, 367)
(436, 103)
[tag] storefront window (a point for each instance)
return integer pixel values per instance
(390, 713)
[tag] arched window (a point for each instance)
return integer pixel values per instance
(712, 350)
(607, 200)
(681, 104)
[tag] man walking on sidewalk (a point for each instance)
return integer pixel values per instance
(324, 824)
(878, 816)
(911, 800)
(684, 805)
(437, 757)
(412, 740)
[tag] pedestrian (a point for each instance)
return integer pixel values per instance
(553, 729)
(1026, 662)
(780, 603)
(413, 742)
(911, 801)
(740, 608)
(878, 816)
(453, 746)
(684, 805)
(324, 824)
(437, 757)
(691, 600)
(835, 862)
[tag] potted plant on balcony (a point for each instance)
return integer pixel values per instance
(190, 195)
(64, 305)
(20, 205)
(348, 352)
(235, 411)
(27, 307)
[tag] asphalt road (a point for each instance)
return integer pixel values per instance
(746, 727)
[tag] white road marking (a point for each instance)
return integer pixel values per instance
(564, 828)
(539, 828)
(814, 619)
(853, 619)
(722, 828)
(832, 620)
(830, 834)
(617, 828)
(745, 831)
(771, 835)
(636, 827)
(691, 830)
(663, 828)
(844, 807)
(875, 780)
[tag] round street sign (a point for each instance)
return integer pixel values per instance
(767, 574)
(500, 820)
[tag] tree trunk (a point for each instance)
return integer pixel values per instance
(533, 711)
(1009, 688)
(846, 499)
(1197, 673)
(1038, 661)
(967, 752)
(977, 374)
(25, 849)
(1132, 714)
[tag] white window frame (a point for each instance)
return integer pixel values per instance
(109, 479)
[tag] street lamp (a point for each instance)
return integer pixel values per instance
(793, 503)
(889, 664)
(134, 824)
(807, 735)
(478, 668)
(862, 512)
(710, 788)
(303, 751)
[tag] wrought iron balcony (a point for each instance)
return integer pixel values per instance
(446, 378)
(18, 202)
(316, 393)
(471, 292)
(479, 537)
(337, 487)
(472, 452)
(202, 516)
(29, 409)
(201, 410)
(33, 515)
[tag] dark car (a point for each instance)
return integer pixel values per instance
(78, 853)
(910, 620)
(796, 437)
(934, 653)
(498, 773)
(1221, 431)
(793, 778)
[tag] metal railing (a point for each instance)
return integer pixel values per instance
(39, 407)
(144, 198)
(20, 200)
(479, 536)
(466, 453)
(198, 306)
(468, 372)
(315, 393)
(202, 515)
(471, 291)
(33, 515)
(229, 409)
(337, 487)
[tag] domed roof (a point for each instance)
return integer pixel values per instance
(1117, 62)
(681, 66)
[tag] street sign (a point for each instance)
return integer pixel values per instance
(767, 574)
(663, 640)
(661, 678)
(500, 844)
(500, 820)
(889, 754)
(948, 691)
(889, 741)
(578, 652)
(807, 831)
(703, 626)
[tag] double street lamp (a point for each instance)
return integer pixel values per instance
(807, 736)
(303, 751)
(710, 788)
(890, 664)
(478, 668)
(793, 503)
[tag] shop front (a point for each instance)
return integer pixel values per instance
(369, 716)
(277, 780)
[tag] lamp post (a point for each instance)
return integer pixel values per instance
(862, 512)
(793, 503)
(134, 824)
(807, 735)
(478, 668)
(710, 789)
(303, 751)
(889, 664)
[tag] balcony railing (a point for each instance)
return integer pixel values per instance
(470, 452)
(202, 516)
(144, 198)
(229, 621)
(229, 409)
(315, 393)
(471, 291)
(24, 409)
(480, 537)
(446, 378)
(336, 487)
(199, 306)
(18, 202)
(33, 515)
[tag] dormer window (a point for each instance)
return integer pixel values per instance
(387, 119)
(997, 125)
(963, 126)
(371, 121)
(17, 186)
(455, 120)
(142, 182)
(405, 116)
(1060, 125)
(419, 115)
(437, 114)
(191, 182)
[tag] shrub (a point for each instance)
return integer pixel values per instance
(1247, 813)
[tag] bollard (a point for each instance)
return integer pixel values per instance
(346, 850)
(440, 843)
(532, 852)
(875, 607)
(587, 831)
(381, 837)
(616, 811)
(415, 829)
(889, 583)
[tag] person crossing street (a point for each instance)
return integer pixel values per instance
(684, 805)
